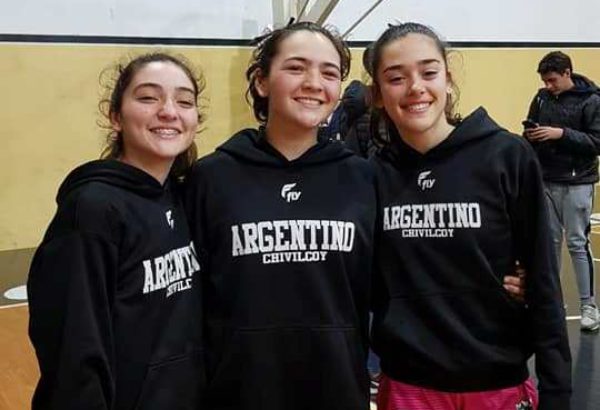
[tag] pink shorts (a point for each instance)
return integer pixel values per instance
(394, 395)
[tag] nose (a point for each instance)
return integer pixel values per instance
(417, 86)
(168, 110)
(312, 80)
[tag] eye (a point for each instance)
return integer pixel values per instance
(397, 79)
(186, 103)
(430, 74)
(296, 68)
(147, 98)
(331, 74)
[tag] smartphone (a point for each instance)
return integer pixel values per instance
(528, 124)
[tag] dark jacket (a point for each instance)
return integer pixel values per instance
(289, 247)
(453, 221)
(571, 159)
(114, 296)
(350, 121)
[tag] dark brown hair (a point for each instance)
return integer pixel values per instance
(115, 81)
(395, 32)
(267, 47)
(555, 61)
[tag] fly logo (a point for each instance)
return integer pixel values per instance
(170, 220)
(424, 182)
(288, 194)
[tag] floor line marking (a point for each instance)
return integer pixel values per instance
(14, 305)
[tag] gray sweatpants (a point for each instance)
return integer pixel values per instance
(570, 208)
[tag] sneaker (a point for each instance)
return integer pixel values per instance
(374, 384)
(590, 319)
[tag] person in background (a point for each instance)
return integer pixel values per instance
(350, 121)
(114, 290)
(564, 129)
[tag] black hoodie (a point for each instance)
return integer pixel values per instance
(115, 313)
(573, 158)
(289, 245)
(453, 222)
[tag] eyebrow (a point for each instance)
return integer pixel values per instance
(420, 63)
(154, 85)
(307, 61)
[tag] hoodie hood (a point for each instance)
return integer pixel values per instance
(250, 145)
(114, 173)
(354, 100)
(476, 126)
(584, 84)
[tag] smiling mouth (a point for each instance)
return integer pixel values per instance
(417, 108)
(309, 102)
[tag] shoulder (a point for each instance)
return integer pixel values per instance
(205, 170)
(542, 94)
(94, 208)
(212, 162)
(593, 99)
(360, 164)
(507, 143)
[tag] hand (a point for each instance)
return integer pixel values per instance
(514, 283)
(543, 133)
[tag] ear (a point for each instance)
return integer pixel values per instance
(567, 72)
(260, 82)
(115, 122)
(450, 82)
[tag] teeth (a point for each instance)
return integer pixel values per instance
(309, 101)
(417, 107)
(165, 131)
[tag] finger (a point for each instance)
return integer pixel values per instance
(536, 135)
(512, 281)
(515, 291)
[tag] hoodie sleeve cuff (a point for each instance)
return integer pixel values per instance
(555, 401)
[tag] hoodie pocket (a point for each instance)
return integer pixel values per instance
(454, 332)
(175, 384)
(291, 368)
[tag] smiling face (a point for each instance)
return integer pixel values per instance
(303, 84)
(158, 116)
(413, 85)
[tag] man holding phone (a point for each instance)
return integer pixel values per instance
(563, 126)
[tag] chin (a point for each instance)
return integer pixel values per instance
(310, 123)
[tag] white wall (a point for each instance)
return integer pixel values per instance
(456, 20)
(226, 19)
(481, 20)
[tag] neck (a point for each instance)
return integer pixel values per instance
(290, 143)
(571, 84)
(158, 170)
(424, 141)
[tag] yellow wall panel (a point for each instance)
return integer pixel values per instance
(49, 113)
(49, 118)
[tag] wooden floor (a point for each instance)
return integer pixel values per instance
(18, 367)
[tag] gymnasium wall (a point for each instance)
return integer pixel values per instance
(50, 64)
